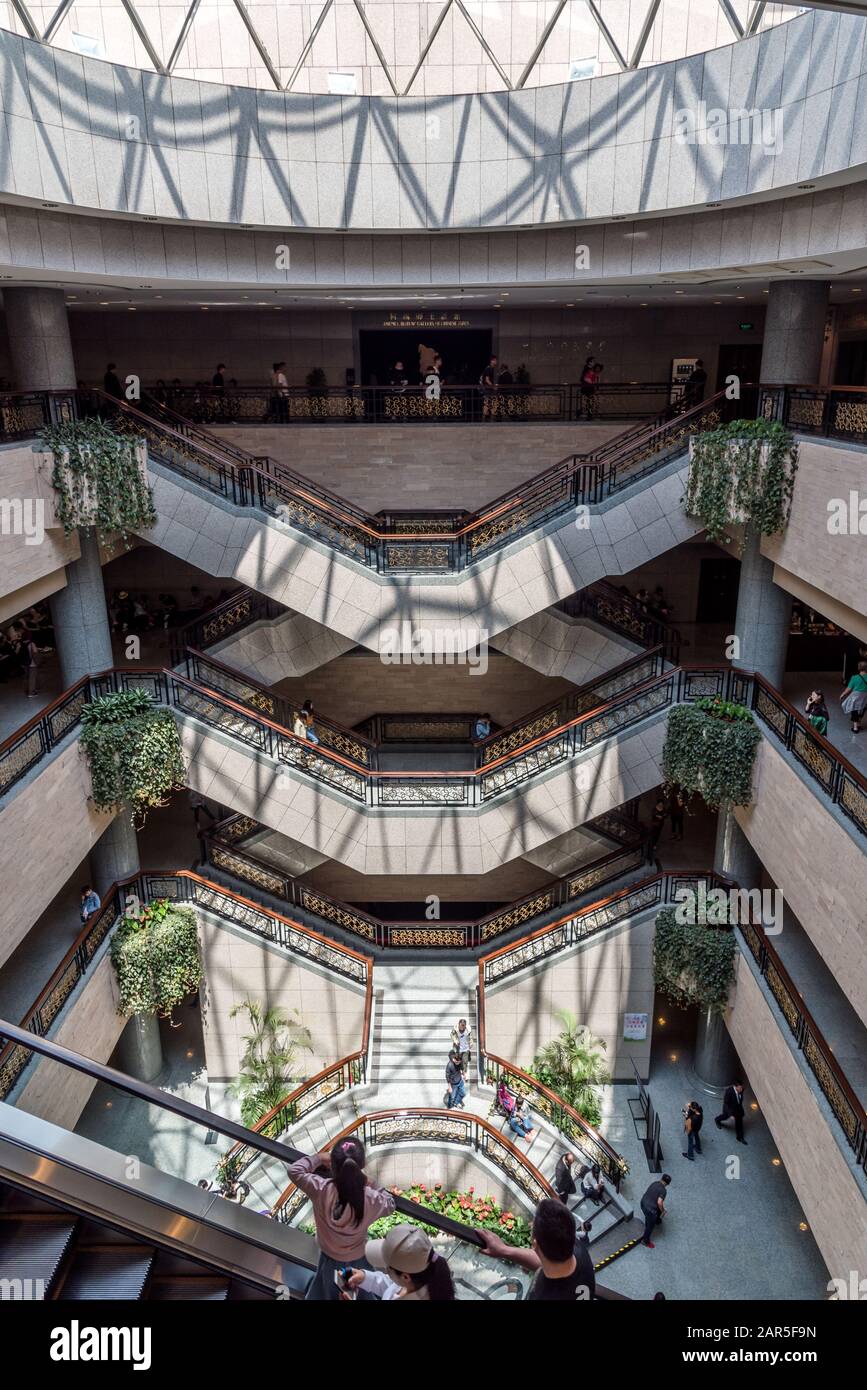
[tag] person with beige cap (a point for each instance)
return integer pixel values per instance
(405, 1266)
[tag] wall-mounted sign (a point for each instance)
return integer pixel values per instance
(635, 1027)
(681, 370)
(746, 327)
(424, 318)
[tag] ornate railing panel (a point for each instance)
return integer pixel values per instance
(30, 744)
(389, 1127)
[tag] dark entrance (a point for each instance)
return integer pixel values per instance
(718, 582)
(738, 359)
(464, 352)
(852, 363)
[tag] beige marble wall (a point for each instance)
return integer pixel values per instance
(91, 1027)
(818, 865)
(23, 563)
(598, 983)
(47, 827)
(832, 1200)
(238, 966)
(833, 564)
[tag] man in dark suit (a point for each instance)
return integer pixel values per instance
(733, 1108)
(564, 1182)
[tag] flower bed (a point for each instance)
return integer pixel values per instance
(481, 1212)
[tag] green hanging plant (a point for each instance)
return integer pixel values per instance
(134, 751)
(98, 479)
(710, 748)
(743, 472)
(156, 957)
(693, 961)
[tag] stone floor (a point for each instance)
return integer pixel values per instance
(798, 685)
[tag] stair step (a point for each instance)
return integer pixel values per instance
(107, 1273)
(32, 1247)
(200, 1289)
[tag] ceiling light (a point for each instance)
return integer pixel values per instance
(130, 308)
(856, 291)
(777, 1162)
(713, 205)
(806, 185)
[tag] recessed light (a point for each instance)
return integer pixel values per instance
(777, 1162)
(130, 308)
(661, 1022)
(856, 291)
(806, 185)
(802, 1226)
(740, 296)
(713, 205)
(680, 291)
(717, 302)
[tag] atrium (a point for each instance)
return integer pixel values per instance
(433, 654)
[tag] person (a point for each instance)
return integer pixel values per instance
(564, 1182)
(490, 385)
(519, 1121)
(733, 1109)
(588, 388)
(218, 380)
(677, 811)
(658, 817)
(817, 711)
(482, 726)
(31, 653)
(505, 1099)
(455, 1082)
(345, 1203)
(854, 697)
(427, 357)
(280, 389)
(90, 902)
(653, 1207)
(199, 805)
(307, 716)
(505, 378)
(399, 378)
(562, 1263)
(410, 1269)
(592, 1185)
(168, 610)
(584, 1231)
(234, 1191)
(696, 383)
(642, 598)
(693, 1119)
(659, 604)
(461, 1042)
(111, 382)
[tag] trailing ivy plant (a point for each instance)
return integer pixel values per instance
(156, 956)
(693, 962)
(710, 747)
(98, 479)
(133, 748)
(742, 472)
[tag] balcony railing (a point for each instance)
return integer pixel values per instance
(444, 543)
(420, 1126)
(604, 603)
(298, 405)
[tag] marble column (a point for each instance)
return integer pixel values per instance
(795, 321)
(115, 855)
(140, 1049)
(80, 616)
(763, 616)
(734, 856)
(40, 347)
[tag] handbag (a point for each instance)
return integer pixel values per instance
(854, 702)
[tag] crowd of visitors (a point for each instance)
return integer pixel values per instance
(22, 645)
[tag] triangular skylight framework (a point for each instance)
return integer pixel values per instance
(592, 7)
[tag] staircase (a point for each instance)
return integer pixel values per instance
(50, 1253)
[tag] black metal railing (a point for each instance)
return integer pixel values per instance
(446, 543)
(834, 412)
(386, 1128)
(604, 603)
(546, 402)
(224, 850)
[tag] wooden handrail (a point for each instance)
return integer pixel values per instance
(43, 714)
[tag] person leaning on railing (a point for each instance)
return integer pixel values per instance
(561, 1261)
(344, 1203)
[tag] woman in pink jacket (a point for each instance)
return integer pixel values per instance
(344, 1205)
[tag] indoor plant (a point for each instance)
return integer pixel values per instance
(134, 751)
(98, 478)
(710, 747)
(742, 473)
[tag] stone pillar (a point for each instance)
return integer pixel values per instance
(795, 320)
(115, 854)
(80, 616)
(763, 616)
(39, 343)
(715, 1061)
(140, 1048)
(734, 856)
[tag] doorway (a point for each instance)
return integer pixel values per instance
(742, 360)
(718, 582)
(851, 363)
(464, 351)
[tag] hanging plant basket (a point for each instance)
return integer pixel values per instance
(710, 748)
(134, 751)
(100, 479)
(693, 963)
(742, 474)
(156, 958)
